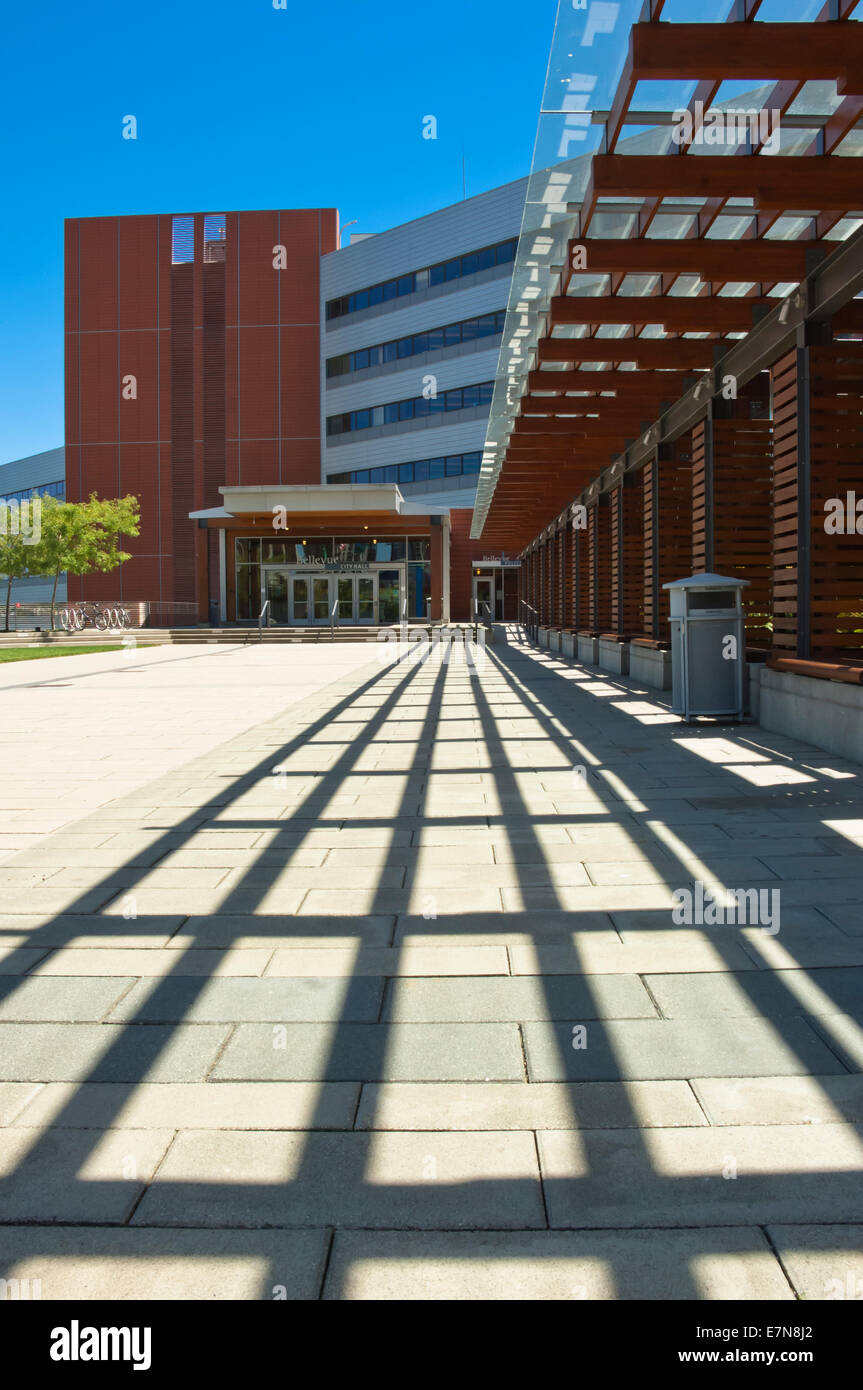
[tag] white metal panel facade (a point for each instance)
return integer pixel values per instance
(464, 227)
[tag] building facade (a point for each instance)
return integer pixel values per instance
(208, 354)
(38, 475)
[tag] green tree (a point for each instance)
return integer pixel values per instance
(83, 537)
(15, 563)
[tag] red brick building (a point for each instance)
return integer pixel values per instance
(194, 364)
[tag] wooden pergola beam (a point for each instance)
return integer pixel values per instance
(679, 313)
(778, 181)
(665, 385)
(677, 353)
(771, 52)
(712, 260)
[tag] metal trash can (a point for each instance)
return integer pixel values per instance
(708, 645)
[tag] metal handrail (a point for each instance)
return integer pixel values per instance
(531, 627)
(261, 617)
(333, 612)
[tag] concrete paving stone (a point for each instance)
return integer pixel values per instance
(401, 1105)
(17, 877)
(736, 1263)
(632, 871)
(48, 932)
(447, 901)
(429, 856)
(203, 902)
(258, 859)
(511, 875)
(818, 944)
(823, 1263)
(608, 898)
(843, 1034)
(458, 834)
(847, 919)
(50, 902)
(505, 853)
(595, 954)
(504, 998)
(137, 963)
(453, 1181)
(17, 960)
(373, 1052)
(674, 1049)
(245, 932)
(774, 994)
(286, 878)
(240, 1000)
(780, 1100)
(53, 1176)
(109, 1263)
(15, 1096)
(390, 960)
(193, 1105)
(42, 999)
(816, 866)
(512, 929)
(141, 880)
(702, 1177)
(108, 1052)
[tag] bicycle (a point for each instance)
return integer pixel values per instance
(76, 619)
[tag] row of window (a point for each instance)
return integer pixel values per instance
(43, 490)
(467, 331)
(420, 471)
(461, 398)
(440, 274)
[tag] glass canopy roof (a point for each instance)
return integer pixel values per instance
(587, 64)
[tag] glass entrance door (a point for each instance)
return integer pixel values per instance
(322, 601)
(276, 591)
(299, 587)
(318, 599)
(483, 597)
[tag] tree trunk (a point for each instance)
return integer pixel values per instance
(54, 596)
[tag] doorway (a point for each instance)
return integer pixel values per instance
(483, 597)
(317, 598)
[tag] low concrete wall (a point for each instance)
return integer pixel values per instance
(650, 665)
(553, 639)
(752, 689)
(614, 656)
(568, 644)
(588, 649)
(828, 714)
(542, 636)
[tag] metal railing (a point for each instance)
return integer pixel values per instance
(263, 614)
(529, 619)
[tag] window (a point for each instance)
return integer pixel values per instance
(214, 237)
(416, 407)
(419, 471)
(445, 271)
(182, 240)
(433, 339)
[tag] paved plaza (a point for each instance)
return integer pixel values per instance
(328, 977)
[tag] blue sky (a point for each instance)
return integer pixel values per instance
(240, 106)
